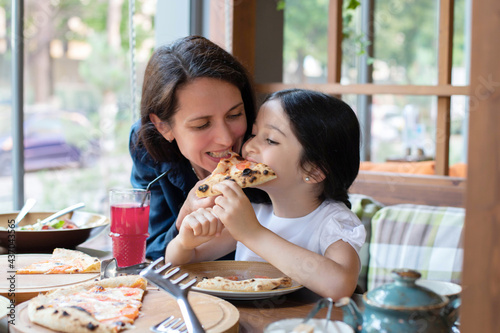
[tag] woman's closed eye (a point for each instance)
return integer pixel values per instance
(236, 115)
(203, 126)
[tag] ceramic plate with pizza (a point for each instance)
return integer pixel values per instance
(239, 271)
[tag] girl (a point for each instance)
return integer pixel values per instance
(311, 140)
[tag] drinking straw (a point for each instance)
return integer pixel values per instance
(151, 183)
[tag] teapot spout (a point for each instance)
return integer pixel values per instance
(352, 316)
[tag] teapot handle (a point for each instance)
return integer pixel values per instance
(450, 312)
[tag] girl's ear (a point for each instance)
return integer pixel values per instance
(162, 127)
(314, 175)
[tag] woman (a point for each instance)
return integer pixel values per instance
(197, 105)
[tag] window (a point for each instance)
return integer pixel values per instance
(402, 67)
(77, 98)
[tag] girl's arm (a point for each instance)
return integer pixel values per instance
(200, 238)
(333, 275)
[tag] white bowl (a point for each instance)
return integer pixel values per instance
(288, 325)
(443, 288)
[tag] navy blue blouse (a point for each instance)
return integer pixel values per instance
(167, 194)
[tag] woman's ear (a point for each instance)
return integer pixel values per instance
(314, 175)
(162, 127)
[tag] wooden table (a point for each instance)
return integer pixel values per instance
(255, 315)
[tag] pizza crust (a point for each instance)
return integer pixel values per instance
(255, 284)
(64, 261)
(65, 319)
(239, 170)
(57, 308)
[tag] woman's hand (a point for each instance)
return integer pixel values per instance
(199, 227)
(192, 203)
(235, 210)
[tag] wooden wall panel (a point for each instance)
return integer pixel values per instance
(481, 278)
(397, 188)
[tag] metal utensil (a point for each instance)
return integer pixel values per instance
(61, 213)
(319, 305)
(156, 277)
(26, 208)
(170, 325)
(109, 268)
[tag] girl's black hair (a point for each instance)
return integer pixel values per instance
(329, 132)
(175, 65)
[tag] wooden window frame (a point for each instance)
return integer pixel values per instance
(480, 307)
(444, 90)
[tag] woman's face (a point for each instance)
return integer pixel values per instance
(210, 122)
(274, 144)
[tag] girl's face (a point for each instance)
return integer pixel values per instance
(274, 144)
(209, 123)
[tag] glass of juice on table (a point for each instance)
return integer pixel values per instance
(129, 225)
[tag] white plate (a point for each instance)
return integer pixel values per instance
(4, 307)
(247, 295)
(241, 269)
(288, 325)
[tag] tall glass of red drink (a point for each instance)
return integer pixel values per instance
(129, 225)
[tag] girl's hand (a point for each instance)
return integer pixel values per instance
(235, 210)
(192, 203)
(199, 227)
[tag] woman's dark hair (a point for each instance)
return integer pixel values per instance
(329, 132)
(175, 65)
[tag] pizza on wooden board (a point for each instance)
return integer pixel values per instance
(104, 306)
(236, 168)
(254, 284)
(64, 261)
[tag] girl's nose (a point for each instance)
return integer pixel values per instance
(249, 146)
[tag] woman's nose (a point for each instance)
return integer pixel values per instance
(223, 135)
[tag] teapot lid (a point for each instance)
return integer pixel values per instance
(404, 293)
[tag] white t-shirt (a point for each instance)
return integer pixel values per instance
(330, 222)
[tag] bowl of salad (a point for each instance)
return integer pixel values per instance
(66, 231)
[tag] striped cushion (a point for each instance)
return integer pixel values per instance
(364, 207)
(425, 238)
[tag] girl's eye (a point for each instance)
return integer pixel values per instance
(251, 136)
(271, 142)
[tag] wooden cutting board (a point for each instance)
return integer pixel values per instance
(215, 314)
(28, 286)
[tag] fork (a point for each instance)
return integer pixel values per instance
(169, 325)
(156, 277)
(109, 268)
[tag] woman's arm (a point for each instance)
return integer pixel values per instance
(165, 198)
(193, 203)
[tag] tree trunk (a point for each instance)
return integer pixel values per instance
(40, 65)
(113, 24)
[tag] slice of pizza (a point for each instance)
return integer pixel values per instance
(64, 261)
(236, 168)
(105, 306)
(255, 284)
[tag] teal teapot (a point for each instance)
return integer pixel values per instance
(401, 306)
